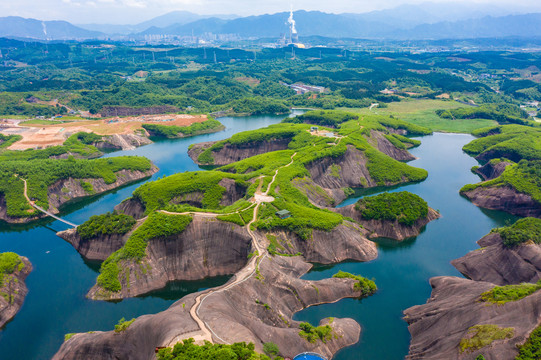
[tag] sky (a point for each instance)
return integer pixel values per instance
(135, 11)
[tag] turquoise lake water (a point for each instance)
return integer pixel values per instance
(56, 302)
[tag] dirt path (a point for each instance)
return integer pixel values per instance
(247, 272)
(42, 209)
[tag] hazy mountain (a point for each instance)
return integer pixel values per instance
(315, 23)
(388, 24)
(177, 18)
(308, 23)
(14, 26)
(408, 16)
(527, 25)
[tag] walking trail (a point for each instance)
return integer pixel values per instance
(42, 209)
(247, 272)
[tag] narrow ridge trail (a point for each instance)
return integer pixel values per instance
(246, 273)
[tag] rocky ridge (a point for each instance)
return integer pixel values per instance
(455, 305)
(505, 198)
(258, 310)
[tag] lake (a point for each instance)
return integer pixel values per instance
(56, 302)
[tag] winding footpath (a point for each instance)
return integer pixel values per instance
(42, 209)
(246, 273)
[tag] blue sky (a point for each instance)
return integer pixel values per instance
(134, 11)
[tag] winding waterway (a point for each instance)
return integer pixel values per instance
(402, 269)
(56, 302)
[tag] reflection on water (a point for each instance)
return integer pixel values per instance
(402, 269)
(56, 302)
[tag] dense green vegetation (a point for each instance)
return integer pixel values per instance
(42, 173)
(502, 113)
(522, 231)
(272, 133)
(403, 206)
(155, 226)
(312, 333)
(9, 263)
(524, 177)
(106, 224)
(159, 194)
(323, 118)
(367, 287)
(204, 190)
(173, 131)
(479, 336)
(503, 294)
(187, 350)
(7, 140)
(531, 349)
(514, 142)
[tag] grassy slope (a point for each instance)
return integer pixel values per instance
(168, 192)
(423, 112)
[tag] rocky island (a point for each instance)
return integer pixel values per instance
(495, 314)
(396, 216)
(252, 217)
(13, 271)
(512, 172)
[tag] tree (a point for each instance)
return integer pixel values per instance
(271, 349)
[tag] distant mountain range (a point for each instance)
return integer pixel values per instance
(18, 27)
(172, 18)
(415, 22)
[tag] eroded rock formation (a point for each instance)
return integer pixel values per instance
(13, 290)
(438, 326)
(230, 153)
(455, 305)
(257, 310)
(504, 198)
(499, 264)
(67, 190)
(386, 228)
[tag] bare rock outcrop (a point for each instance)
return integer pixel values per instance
(501, 265)
(206, 248)
(94, 249)
(438, 326)
(209, 247)
(230, 153)
(131, 206)
(492, 170)
(257, 310)
(122, 142)
(14, 290)
(504, 198)
(333, 175)
(385, 146)
(347, 241)
(386, 228)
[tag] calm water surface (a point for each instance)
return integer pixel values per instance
(402, 269)
(56, 302)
